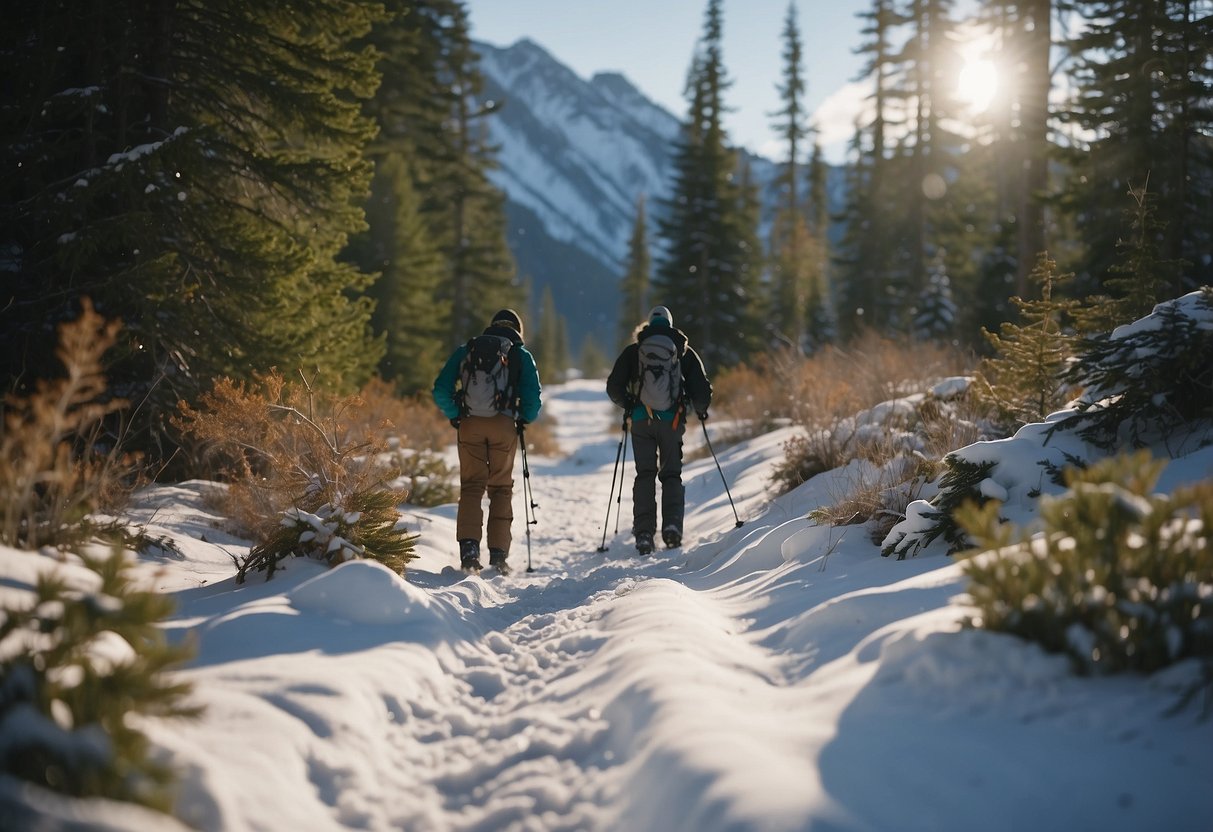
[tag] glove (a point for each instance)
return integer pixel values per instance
(702, 414)
(629, 404)
(455, 423)
(520, 425)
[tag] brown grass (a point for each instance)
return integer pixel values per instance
(57, 464)
(830, 385)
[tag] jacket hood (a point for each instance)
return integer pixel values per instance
(678, 336)
(503, 332)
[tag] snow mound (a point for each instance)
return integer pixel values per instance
(364, 592)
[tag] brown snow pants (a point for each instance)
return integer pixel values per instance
(486, 463)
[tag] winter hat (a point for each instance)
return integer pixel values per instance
(508, 317)
(660, 313)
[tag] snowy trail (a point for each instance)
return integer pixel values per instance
(776, 676)
(537, 700)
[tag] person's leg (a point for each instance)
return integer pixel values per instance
(644, 488)
(673, 495)
(502, 448)
(473, 478)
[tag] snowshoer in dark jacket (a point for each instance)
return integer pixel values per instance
(488, 403)
(654, 380)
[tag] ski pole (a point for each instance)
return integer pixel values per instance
(722, 479)
(614, 473)
(528, 497)
(623, 474)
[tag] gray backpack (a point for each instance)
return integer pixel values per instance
(485, 376)
(660, 373)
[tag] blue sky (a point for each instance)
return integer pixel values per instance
(651, 42)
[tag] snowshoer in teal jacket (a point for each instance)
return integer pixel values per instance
(489, 390)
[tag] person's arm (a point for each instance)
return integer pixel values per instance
(444, 385)
(619, 382)
(530, 391)
(698, 388)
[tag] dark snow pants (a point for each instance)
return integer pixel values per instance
(657, 448)
(486, 463)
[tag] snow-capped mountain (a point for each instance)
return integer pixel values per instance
(575, 155)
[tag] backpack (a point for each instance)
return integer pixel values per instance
(485, 376)
(660, 373)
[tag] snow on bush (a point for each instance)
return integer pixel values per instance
(1118, 578)
(1150, 382)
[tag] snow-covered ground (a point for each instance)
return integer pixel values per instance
(775, 676)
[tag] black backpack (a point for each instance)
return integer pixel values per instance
(660, 373)
(486, 377)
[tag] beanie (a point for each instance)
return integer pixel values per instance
(662, 314)
(508, 317)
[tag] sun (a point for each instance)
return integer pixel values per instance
(978, 83)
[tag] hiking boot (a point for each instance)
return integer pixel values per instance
(469, 555)
(671, 537)
(644, 543)
(497, 561)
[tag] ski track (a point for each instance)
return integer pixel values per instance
(519, 720)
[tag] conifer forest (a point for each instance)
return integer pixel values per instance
(303, 186)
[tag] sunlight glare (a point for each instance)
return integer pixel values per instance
(978, 83)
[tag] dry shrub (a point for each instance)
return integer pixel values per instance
(307, 472)
(541, 437)
(832, 384)
(877, 495)
(903, 440)
(57, 464)
(414, 421)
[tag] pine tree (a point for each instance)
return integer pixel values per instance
(591, 360)
(429, 108)
(1140, 279)
(1143, 98)
(407, 312)
(79, 705)
(709, 273)
(482, 277)
(862, 256)
(936, 318)
(196, 172)
(1022, 382)
(791, 268)
(636, 279)
(550, 345)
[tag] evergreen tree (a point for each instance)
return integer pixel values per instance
(820, 318)
(635, 285)
(591, 360)
(1022, 382)
(862, 256)
(482, 277)
(1140, 279)
(195, 169)
(550, 345)
(1144, 92)
(411, 270)
(791, 269)
(709, 273)
(936, 309)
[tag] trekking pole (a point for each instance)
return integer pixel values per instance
(623, 473)
(528, 498)
(722, 479)
(618, 451)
